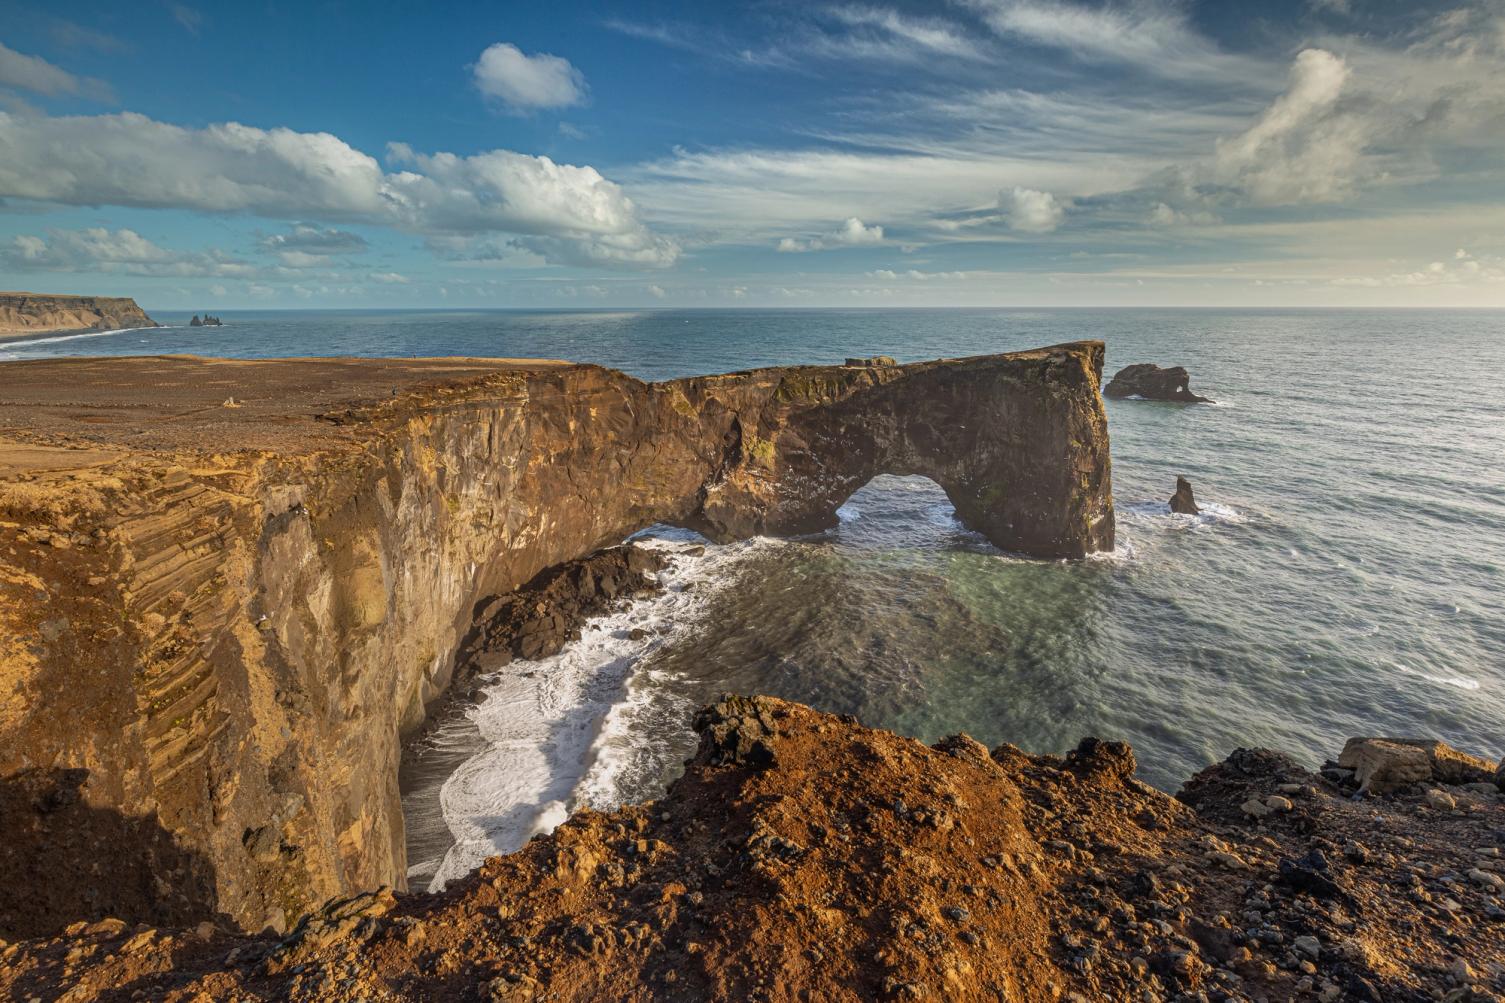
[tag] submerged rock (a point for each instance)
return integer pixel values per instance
(1183, 502)
(1150, 382)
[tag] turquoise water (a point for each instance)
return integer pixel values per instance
(1347, 579)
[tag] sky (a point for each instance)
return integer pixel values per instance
(871, 154)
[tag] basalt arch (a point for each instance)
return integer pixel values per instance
(1020, 449)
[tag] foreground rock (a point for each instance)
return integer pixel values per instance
(1148, 381)
(39, 313)
(802, 856)
(229, 589)
(1183, 501)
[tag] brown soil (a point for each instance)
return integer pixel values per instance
(804, 857)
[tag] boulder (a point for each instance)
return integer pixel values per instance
(1183, 501)
(1385, 764)
(1148, 381)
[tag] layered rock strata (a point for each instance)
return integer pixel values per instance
(229, 588)
(37, 313)
(802, 856)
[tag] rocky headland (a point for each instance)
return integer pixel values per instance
(24, 314)
(802, 856)
(229, 589)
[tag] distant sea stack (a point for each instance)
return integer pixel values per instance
(1148, 381)
(208, 320)
(23, 314)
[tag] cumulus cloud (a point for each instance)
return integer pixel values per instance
(390, 278)
(1031, 211)
(123, 252)
(657, 292)
(568, 213)
(851, 233)
(1464, 269)
(35, 74)
(526, 83)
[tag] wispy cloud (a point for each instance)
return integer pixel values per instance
(190, 18)
(35, 74)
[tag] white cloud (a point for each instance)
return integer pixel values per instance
(566, 213)
(314, 240)
(657, 292)
(913, 274)
(1164, 215)
(525, 82)
(1303, 148)
(851, 233)
(122, 252)
(1031, 211)
(390, 278)
(1153, 36)
(35, 74)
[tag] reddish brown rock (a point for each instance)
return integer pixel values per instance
(803, 856)
(1183, 501)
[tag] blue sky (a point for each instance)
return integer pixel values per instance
(965, 152)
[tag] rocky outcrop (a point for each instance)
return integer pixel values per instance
(28, 313)
(208, 320)
(803, 856)
(1386, 764)
(1183, 502)
(1148, 381)
(219, 621)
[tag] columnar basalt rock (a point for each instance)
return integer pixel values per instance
(227, 617)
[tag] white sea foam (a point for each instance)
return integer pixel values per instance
(1458, 682)
(848, 513)
(1160, 514)
(557, 730)
(13, 346)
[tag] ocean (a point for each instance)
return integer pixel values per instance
(1346, 576)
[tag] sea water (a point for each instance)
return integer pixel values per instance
(1345, 577)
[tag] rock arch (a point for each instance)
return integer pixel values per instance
(1018, 442)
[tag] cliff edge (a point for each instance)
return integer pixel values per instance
(23, 314)
(229, 588)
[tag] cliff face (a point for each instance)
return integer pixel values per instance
(25, 313)
(227, 589)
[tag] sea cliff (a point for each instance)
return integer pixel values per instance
(22, 314)
(229, 588)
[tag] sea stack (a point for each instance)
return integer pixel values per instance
(1147, 381)
(1182, 501)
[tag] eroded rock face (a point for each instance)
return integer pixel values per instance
(229, 616)
(1150, 382)
(22, 313)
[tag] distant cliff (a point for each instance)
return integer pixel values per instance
(25, 313)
